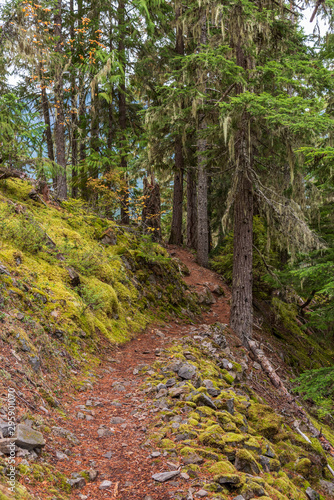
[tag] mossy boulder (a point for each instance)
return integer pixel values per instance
(245, 462)
(303, 467)
(225, 473)
(265, 420)
(212, 436)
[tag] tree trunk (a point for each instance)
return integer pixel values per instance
(191, 209)
(81, 115)
(74, 114)
(242, 281)
(125, 216)
(176, 237)
(151, 214)
(202, 181)
(242, 293)
(46, 116)
(61, 184)
(176, 229)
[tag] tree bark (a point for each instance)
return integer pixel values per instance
(81, 116)
(61, 183)
(242, 282)
(151, 214)
(176, 229)
(46, 116)
(74, 114)
(125, 216)
(176, 237)
(191, 209)
(202, 180)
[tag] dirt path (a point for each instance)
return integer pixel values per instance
(116, 409)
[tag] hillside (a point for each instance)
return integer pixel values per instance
(124, 369)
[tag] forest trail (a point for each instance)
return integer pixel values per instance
(117, 409)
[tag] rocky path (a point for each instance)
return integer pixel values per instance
(107, 424)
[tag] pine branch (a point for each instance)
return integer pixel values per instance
(314, 13)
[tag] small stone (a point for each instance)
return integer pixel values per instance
(80, 415)
(186, 371)
(202, 493)
(192, 458)
(311, 494)
(35, 363)
(230, 405)
(135, 371)
(162, 393)
(22, 453)
(27, 438)
(77, 483)
(175, 392)
(162, 477)
(170, 382)
(102, 433)
(155, 454)
(265, 462)
(83, 497)
(105, 485)
(269, 452)
(256, 366)
(172, 466)
(328, 487)
(160, 386)
(185, 476)
(117, 420)
(61, 456)
(204, 400)
(92, 474)
(89, 417)
(108, 454)
(239, 497)
(227, 364)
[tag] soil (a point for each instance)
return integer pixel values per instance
(118, 393)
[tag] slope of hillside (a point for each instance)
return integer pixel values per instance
(111, 405)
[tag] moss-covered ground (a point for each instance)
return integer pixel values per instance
(248, 448)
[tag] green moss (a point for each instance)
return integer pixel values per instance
(233, 439)
(222, 468)
(167, 444)
(227, 377)
(303, 467)
(253, 444)
(265, 420)
(212, 436)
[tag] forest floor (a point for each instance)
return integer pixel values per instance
(121, 457)
(110, 421)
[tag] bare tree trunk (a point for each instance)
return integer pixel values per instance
(61, 184)
(46, 116)
(74, 115)
(242, 294)
(110, 104)
(125, 216)
(176, 229)
(202, 181)
(242, 281)
(176, 237)
(191, 209)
